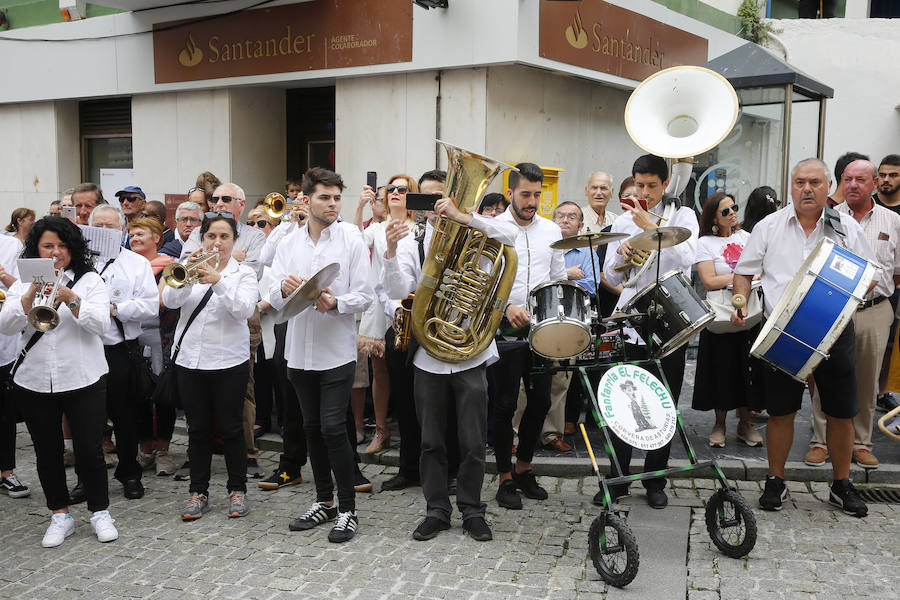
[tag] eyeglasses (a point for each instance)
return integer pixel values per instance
(130, 198)
(225, 199)
(400, 188)
(193, 220)
(260, 224)
(565, 217)
(733, 208)
(223, 214)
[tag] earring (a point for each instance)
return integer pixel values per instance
(715, 229)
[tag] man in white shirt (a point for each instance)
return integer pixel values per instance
(538, 263)
(777, 248)
(872, 321)
(321, 344)
(651, 175)
(599, 190)
(133, 299)
(443, 389)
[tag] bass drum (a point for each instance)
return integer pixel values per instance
(679, 312)
(560, 319)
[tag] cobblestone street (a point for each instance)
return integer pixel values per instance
(809, 550)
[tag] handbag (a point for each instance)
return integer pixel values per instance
(720, 302)
(165, 392)
(141, 378)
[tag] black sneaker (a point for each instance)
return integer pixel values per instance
(78, 494)
(344, 528)
(478, 529)
(184, 472)
(774, 493)
(657, 499)
(508, 495)
(886, 402)
(527, 482)
(429, 528)
(254, 471)
(844, 496)
(361, 484)
(13, 487)
(317, 514)
(400, 481)
(279, 479)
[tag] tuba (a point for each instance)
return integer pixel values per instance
(467, 276)
(402, 329)
(678, 113)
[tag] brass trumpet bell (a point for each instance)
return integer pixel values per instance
(276, 207)
(178, 275)
(42, 316)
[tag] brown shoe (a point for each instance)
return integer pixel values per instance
(557, 444)
(864, 458)
(569, 429)
(748, 434)
(717, 436)
(816, 456)
(380, 441)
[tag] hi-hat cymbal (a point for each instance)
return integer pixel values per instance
(664, 237)
(586, 240)
(619, 318)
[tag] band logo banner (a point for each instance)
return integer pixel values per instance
(603, 37)
(637, 407)
(306, 36)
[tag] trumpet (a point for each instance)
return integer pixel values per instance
(637, 260)
(402, 326)
(178, 275)
(2, 297)
(277, 205)
(43, 315)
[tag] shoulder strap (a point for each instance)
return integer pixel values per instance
(420, 239)
(35, 337)
(190, 320)
(833, 221)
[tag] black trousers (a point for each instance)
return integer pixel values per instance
(123, 409)
(294, 439)
(673, 369)
(85, 409)
(466, 393)
(325, 401)
(263, 389)
(218, 396)
(514, 365)
(7, 425)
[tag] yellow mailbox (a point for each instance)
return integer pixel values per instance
(549, 189)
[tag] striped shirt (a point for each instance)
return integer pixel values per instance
(882, 229)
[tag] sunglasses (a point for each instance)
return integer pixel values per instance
(733, 208)
(196, 189)
(400, 188)
(225, 199)
(223, 214)
(260, 224)
(129, 198)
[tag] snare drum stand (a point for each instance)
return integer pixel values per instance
(611, 544)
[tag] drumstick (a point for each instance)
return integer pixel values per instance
(589, 449)
(739, 301)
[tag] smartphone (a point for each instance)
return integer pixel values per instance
(372, 179)
(421, 201)
(630, 202)
(67, 212)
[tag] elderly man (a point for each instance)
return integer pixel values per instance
(133, 299)
(776, 249)
(837, 197)
(85, 198)
(133, 200)
(872, 321)
(188, 216)
(598, 191)
(54, 211)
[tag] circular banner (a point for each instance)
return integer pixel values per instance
(637, 407)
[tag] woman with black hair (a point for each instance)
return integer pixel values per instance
(212, 361)
(761, 202)
(63, 372)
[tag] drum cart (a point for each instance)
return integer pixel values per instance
(612, 546)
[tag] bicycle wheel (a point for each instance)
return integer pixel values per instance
(730, 523)
(613, 550)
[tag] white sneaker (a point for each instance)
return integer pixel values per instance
(62, 525)
(103, 526)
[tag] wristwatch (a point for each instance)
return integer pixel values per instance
(73, 305)
(114, 310)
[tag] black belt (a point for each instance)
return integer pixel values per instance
(873, 302)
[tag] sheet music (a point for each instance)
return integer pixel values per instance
(103, 243)
(31, 269)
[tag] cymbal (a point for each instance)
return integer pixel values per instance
(650, 240)
(586, 240)
(307, 294)
(619, 318)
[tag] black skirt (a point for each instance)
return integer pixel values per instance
(725, 374)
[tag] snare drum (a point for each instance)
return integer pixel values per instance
(679, 311)
(560, 319)
(813, 310)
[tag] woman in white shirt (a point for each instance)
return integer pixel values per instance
(64, 373)
(722, 381)
(212, 365)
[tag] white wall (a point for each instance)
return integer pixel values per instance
(862, 116)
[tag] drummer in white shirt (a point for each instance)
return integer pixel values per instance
(64, 374)
(213, 362)
(777, 248)
(651, 175)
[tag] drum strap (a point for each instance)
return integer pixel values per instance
(833, 220)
